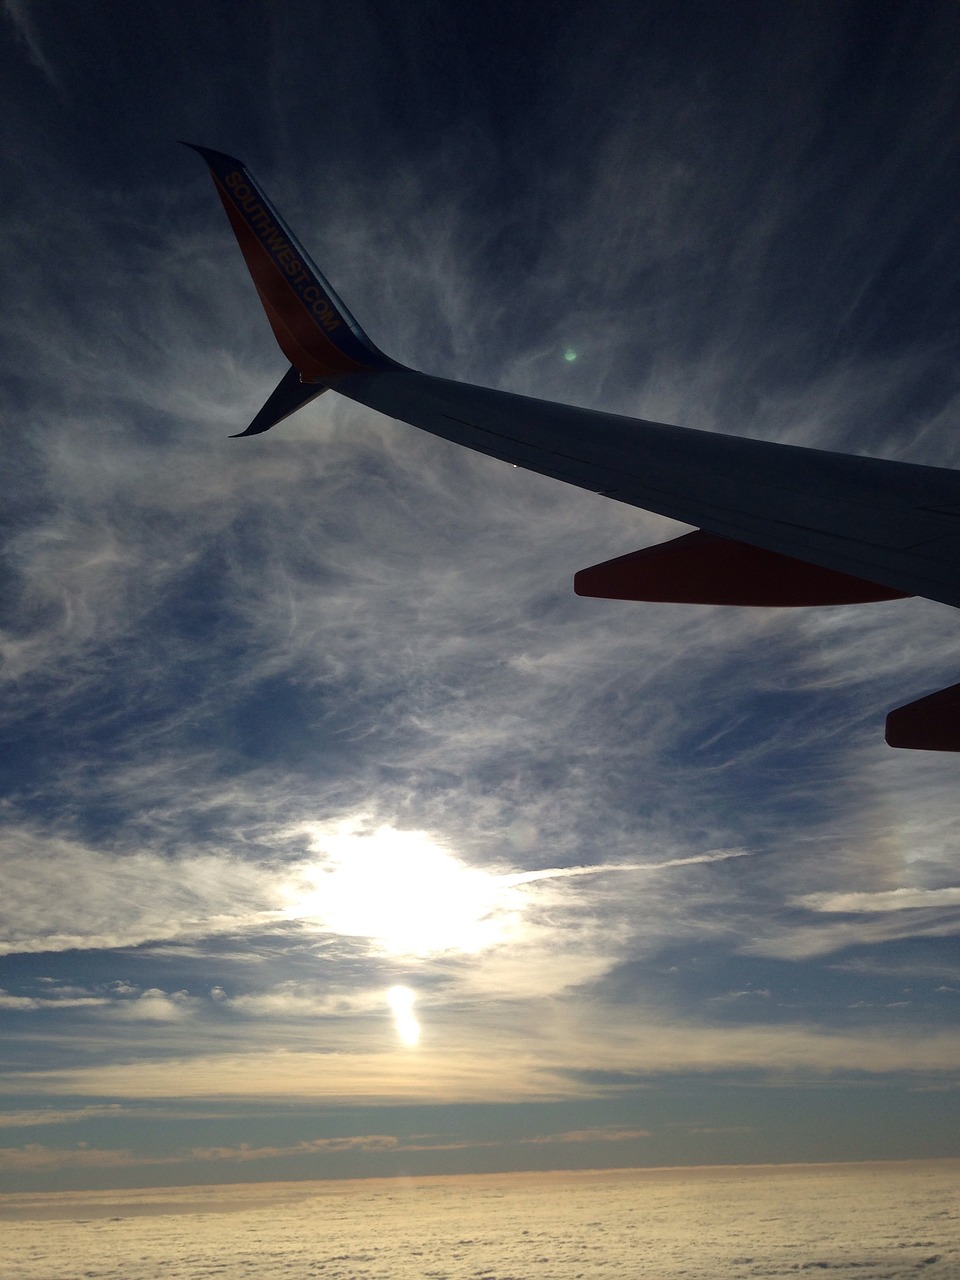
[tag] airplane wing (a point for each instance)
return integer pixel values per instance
(775, 524)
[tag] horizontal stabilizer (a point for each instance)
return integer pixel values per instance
(316, 332)
(290, 395)
(702, 568)
(929, 724)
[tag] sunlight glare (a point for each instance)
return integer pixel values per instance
(402, 889)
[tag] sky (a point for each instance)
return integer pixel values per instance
(339, 837)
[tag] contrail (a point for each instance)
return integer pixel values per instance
(563, 873)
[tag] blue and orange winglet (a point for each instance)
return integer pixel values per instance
(315, 330)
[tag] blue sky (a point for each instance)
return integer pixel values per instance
(294, 723)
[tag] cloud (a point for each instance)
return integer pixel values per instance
(58, 894)
(467, 1058)
(604, 1133)
(310, 1146)
(28, 1118)
(37, 1156)
(904, 899)
(805, 943)
(32, 1003)
(19, 13)
(154, 1005)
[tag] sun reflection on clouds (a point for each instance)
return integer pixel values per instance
(401, 1001)
(401, 889)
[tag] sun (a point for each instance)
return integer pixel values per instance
(402, 889)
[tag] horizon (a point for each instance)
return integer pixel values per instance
(240, 1195)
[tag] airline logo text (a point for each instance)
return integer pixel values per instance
(279, 249)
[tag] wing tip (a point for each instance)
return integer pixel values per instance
(312, 325)
(212, 156)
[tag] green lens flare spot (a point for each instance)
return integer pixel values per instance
(569, 355)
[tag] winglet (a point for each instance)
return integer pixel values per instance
(316, 332)
(289, 396)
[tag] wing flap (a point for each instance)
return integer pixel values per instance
(701, 568)
(928, 724)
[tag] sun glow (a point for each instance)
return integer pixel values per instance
(401, 889)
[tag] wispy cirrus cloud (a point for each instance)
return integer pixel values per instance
(885, 900)
(20, 13)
